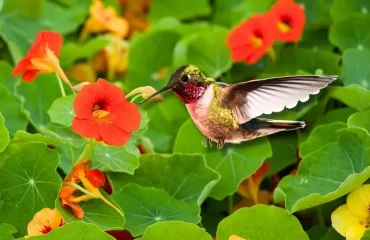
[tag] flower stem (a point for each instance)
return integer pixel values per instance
(111, 204)
(72, 154)
(136, 97)
(85, 155)
(320, 217)
(80, 188)
(61, 85)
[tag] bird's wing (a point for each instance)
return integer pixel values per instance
(251, 99)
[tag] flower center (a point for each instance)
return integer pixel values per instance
(285, 24)
(256, 40)
(98, 112)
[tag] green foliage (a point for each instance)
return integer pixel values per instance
(61, 111)
(7, 231)
(4, 134)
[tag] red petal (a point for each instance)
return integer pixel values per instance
(77, 210)
(29, 76)
(126, 116)
(22, 66)
(96, 177)
(86, 99)
(114, 94)
(113, 135)
(85, 128)
(51, 39)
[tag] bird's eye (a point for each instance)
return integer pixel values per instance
(185, 78)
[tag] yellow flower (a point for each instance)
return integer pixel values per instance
(104, 20)
(234, 237)
(351, 220)
(136, 12)
(44, 221)
(114, 57)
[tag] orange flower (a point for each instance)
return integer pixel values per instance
(42, 58)
(102, 113)
(92, 180)
(249, 189)
(288, 19)
(44, 221)
(251, 39)
(82, 72)
(136, 11)
(103, 20)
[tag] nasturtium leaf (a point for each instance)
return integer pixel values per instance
(343, 8)
(138, 134)
(75, 230)
(144, 206)
(185, 177)
(361, 120)
(25, 137)
(175, 230)
(29, 182)
(64, 134)
(355, 67)
(71, 20)
(332, 234)
(6, 79)
(179, 9)
(353, 96)
(71, 52)
(293, 58)
(329, 173)
(61, 110)
(206, 50)
(67, 153)
(117, 159)
(316, 40)
(234, 162)
(284, 151)
(320, 137)
(96, 212)
(317, 12)
(4, 134)
(165, 122)
(23, 8)
(157, 60)
(351, 32)
(12, 112)
(317, 231)
(7, 231)
(37, 97)
(261, 222)
(335, 115)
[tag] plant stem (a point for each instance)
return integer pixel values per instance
(134, 98)
(72, 155)
(230, 203)
(61, 85)
(80, 188)
(85, 155)
(320, 217)
(111, 204)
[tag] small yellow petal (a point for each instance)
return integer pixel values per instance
(234, 237)
(343, 219)
(355, 232)
(358, 201)
(146, 92)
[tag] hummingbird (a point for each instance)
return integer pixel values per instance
(231, 113)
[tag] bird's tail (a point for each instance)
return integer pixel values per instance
(259, 127)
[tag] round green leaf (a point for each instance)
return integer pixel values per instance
(29, 182)
(175, 230)
(184, 177)
(61, 111)
(332, 235)
(351, 32)
(179, 9)
(64, 134)
(206, 49)
(353, 96)
(360, 119)
(6, 79)
(116, 159)
(76, 230)
(4, 134)
(319, 137)
(261, 222)
(7, 231)
(144, 206)
(95, 212)
(355, 67)
(343, 8)
(25, 137)
(329, 173)
(234, 162)
(317, 12)
(336, 115)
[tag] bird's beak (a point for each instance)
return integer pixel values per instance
(156, 93)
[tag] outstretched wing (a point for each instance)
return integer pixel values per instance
(254, 98)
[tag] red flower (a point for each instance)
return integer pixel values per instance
(42, 57)
(103, 113)
(251, 39)
(288, 19)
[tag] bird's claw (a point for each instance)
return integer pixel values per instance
(220, 143)
(204, 142)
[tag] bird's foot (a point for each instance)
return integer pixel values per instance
(205, 142)
(210, 142)
(220, 143)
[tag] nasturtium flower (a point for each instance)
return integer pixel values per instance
(136, 12)
(249, 189)
(113, 59)
(42, 58)
(352, 219)
(288, 19)
(234, 237)
(104, 20)
(251, 39)
(44, 221)
(145, 92)
(104, 114)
